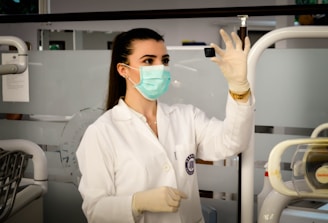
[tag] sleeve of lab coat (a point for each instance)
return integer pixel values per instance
(220, 139)
(97, 182)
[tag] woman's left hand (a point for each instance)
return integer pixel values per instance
(233, 61)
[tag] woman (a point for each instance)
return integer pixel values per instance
(138, 159)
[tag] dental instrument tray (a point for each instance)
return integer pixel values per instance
(12, 167)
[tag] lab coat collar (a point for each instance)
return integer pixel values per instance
(122, 111)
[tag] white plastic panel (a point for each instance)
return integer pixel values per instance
(292, 88)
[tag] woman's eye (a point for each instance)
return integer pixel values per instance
(148, 61)
(166, 61)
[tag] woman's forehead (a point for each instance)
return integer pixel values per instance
(149, 46)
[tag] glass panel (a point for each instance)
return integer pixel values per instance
(64, 82)
(290, 92)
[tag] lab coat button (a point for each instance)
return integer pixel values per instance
(166, 167)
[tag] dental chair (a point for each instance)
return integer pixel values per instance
(21, 198)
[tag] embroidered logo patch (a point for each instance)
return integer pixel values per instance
(190, 164)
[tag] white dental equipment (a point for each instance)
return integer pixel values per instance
(32, 188)
(312, 166)
(310, 175)
(39, 159)
(19, 67)
(247, 169)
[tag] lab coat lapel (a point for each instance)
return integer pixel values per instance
(166, 135)
(124, 113)
(163, 122)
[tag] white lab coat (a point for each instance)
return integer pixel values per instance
(120, 155)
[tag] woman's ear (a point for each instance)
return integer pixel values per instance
(121, 69)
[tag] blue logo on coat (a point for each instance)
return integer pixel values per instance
(190, 164)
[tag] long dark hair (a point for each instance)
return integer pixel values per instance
(121, 50)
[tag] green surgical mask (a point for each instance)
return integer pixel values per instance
(154, 81)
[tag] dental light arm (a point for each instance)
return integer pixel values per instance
(21, 65)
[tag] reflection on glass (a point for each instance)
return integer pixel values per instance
(75, 40)
(19, 7)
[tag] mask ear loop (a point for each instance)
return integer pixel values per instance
(128, 77)
(134, 83)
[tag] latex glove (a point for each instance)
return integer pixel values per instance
(233, 61)
(162, 199)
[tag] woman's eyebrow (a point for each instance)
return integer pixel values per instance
(148, 55)
(154, 56)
